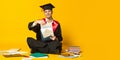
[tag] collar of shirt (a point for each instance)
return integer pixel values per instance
(47, 20)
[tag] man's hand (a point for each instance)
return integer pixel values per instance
(53, 38)
(38, 22)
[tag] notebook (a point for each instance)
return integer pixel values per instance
(39, 55)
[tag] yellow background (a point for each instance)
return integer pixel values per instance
(91, 24)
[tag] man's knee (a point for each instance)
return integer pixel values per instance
(29, 39)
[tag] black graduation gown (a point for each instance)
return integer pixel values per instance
(44, 46)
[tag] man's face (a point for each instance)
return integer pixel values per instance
(48, 13)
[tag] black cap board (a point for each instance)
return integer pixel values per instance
(47, 6)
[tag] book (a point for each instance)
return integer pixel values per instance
(74, 49)
(13, 53)
(46, 31)
(71, 52)
(26, 58)
(39, 55)
(74, 56)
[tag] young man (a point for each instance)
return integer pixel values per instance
(53, 44)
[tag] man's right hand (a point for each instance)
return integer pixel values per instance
(38, 22)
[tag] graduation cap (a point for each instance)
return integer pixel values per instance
(47, 6)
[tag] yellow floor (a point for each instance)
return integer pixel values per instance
(51, 57)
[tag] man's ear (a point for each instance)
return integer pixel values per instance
(52, 11)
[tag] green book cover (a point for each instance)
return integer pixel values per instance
(37, 55)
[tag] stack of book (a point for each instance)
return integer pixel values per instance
(71, 52)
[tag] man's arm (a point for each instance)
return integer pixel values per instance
(33, 26)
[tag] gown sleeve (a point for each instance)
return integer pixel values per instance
(35, 28)
(59, 33)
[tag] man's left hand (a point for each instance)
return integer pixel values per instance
(53, 37)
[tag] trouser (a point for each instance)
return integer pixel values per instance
(52, 47)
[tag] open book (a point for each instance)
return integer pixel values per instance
(46, 31)
(12, 53)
